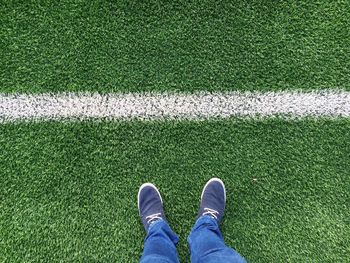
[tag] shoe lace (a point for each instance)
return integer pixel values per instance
(153, 217)
(211, 212)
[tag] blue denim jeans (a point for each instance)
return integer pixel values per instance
(205, 241)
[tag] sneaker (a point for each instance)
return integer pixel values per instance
(213, 200)
(150, 205)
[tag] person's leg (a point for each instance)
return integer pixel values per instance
(207, 244)
(205, 240)
(160, 242)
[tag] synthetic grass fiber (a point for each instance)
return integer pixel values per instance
(173, 45)
(68, 190)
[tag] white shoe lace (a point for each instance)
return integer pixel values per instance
(211, 212)
(153, 217)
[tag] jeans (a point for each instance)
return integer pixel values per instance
(205, 241)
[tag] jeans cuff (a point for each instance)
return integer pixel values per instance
(205, 219)
(155, 223)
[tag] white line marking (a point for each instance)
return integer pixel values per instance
(153, 106)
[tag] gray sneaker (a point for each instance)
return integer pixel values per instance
(213, 200)
(150, 205)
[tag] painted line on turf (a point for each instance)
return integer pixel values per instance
(153, 106)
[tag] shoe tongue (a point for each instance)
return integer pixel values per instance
(211, 212)
(153, 218)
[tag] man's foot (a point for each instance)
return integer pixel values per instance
(150, 205)
(213, 199)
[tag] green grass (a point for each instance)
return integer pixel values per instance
(49, 46)
(68, 190)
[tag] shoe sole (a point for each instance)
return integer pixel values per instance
(214, 180)
(143, 186)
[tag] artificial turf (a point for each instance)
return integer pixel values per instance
(68, 190)
(50, 46)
